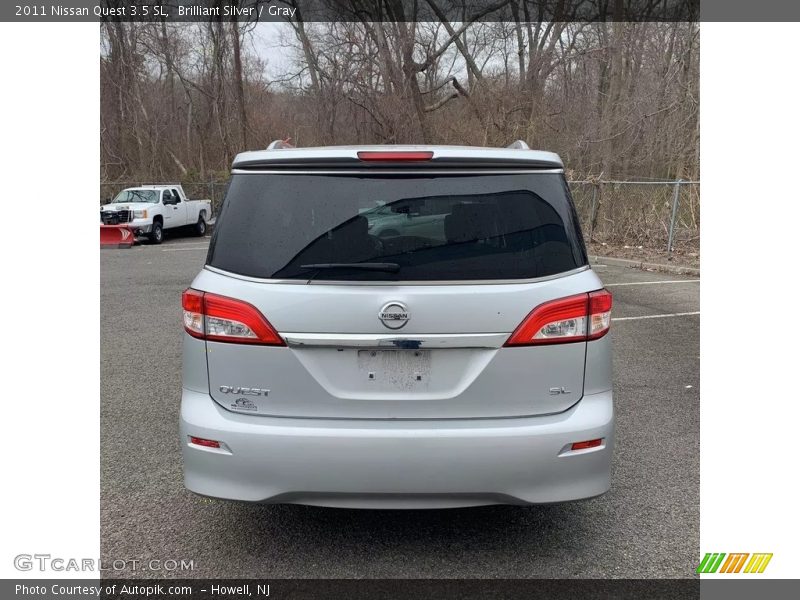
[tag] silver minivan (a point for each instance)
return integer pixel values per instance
(397, 327)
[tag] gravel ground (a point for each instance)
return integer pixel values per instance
(646, 526)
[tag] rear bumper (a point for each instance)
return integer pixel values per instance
(398, 464)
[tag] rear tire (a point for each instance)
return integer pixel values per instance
(156, 235)
(200, 226)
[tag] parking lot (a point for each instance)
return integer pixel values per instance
(646, 526)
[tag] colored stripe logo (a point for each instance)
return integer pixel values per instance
(737, 562)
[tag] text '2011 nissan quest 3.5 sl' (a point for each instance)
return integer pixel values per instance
(397, 327)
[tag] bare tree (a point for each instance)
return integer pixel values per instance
(615, 99)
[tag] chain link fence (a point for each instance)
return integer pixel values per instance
(660, 215)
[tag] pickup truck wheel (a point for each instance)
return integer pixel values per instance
(156, 234)
(200, 227)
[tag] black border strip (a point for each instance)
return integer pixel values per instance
(395, 10)
(363, 589)
(710, 588)
(398, 10)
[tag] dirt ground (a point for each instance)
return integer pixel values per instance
(680, 256)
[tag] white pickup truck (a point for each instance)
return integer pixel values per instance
(150, 209)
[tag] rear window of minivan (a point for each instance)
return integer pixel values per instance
(404, 227)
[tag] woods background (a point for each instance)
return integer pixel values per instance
(618, 101)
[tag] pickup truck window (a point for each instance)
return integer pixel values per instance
(150, 196)
(176, 195)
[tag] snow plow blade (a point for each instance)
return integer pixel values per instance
(116, 236)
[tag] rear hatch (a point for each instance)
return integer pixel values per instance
(393, 293)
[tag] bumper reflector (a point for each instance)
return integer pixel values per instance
(587, 444)
(203, 442)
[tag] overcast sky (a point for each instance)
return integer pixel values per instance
(267, 44)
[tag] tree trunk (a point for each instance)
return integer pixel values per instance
(239, 83)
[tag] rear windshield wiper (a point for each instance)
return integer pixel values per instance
(367, 266)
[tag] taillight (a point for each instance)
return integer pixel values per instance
(222, 319)
(401, 155)
(599, 313)
(572, 319)
(193, 312)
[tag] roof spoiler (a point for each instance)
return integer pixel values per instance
(284, 144)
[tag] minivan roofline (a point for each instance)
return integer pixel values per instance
(443, 156)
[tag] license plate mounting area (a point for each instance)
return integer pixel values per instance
(395, 369)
